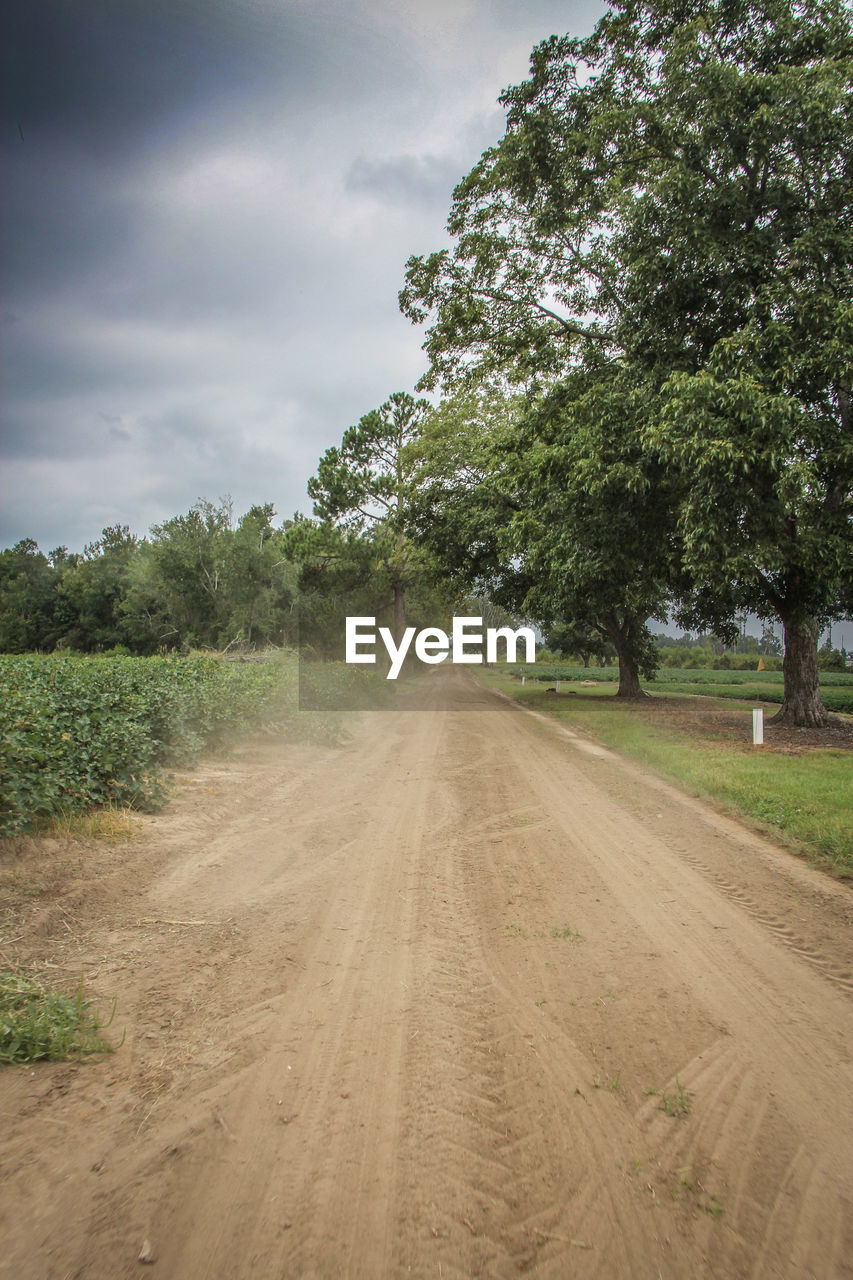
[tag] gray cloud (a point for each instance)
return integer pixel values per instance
(420, 180)
(204, 232)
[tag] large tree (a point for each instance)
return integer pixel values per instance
(674, 193)
(28, 601)
(595, 522)
(550, 507)
(365, 484)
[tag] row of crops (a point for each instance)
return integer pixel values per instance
(762, 686)
(83, 731)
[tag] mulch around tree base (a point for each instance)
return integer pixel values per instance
(714, 718)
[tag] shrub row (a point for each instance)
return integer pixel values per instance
(84, 731)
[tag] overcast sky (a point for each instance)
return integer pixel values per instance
(207, 206)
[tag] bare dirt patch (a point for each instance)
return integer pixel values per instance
(462, 997)
(719, 720)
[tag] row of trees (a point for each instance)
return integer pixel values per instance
(644, 334)
(197, 579)
(206, 580)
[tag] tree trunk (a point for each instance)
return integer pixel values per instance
(399, 611)
(629, 667)
(629, 677)
(801, 702)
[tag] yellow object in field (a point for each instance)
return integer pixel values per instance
(760, 664)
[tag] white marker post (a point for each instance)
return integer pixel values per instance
(558, 686)
(523, 679)
(757, 727)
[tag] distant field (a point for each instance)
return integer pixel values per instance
(754, 686)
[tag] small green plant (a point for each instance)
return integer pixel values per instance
(515, 931)
(39, 1024)
(677, 1104)
(567, 932)
(713, 1207)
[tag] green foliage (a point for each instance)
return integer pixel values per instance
(367, 478)
(594, 523)
(339, 686)
(39, 1024)
(678, 1103)
(79, 732)
(196, 581)
(362, 495)
(670, 205)
(29, 608)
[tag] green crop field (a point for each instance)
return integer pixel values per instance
(84, 731)
(760, 686)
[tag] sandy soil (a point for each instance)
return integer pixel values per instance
(466, 996)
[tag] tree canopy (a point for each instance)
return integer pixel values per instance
(365, 484)
(671, 200)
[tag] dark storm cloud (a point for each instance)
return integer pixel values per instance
(113, 75)
(92, 88)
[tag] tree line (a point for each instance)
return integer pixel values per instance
(205, 580)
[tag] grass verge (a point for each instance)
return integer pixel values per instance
(806, 799)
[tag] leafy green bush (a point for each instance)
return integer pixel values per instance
(83, 731)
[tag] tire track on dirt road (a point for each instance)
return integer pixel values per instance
(456, 999)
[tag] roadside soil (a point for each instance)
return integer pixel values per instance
(464, 996)
(718, 720)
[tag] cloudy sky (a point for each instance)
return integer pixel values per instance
(207, 206)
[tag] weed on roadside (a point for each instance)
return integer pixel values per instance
(677, 1104)
(112, 823)
(713, 1207)
(39, 1024)
(567, 932)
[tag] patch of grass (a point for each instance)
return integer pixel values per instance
(805, 798)
(836, 686)
(113, 823)
(39, 1024)
(677, 1104)
(567, 932)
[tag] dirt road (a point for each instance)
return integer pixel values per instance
(463, 997)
